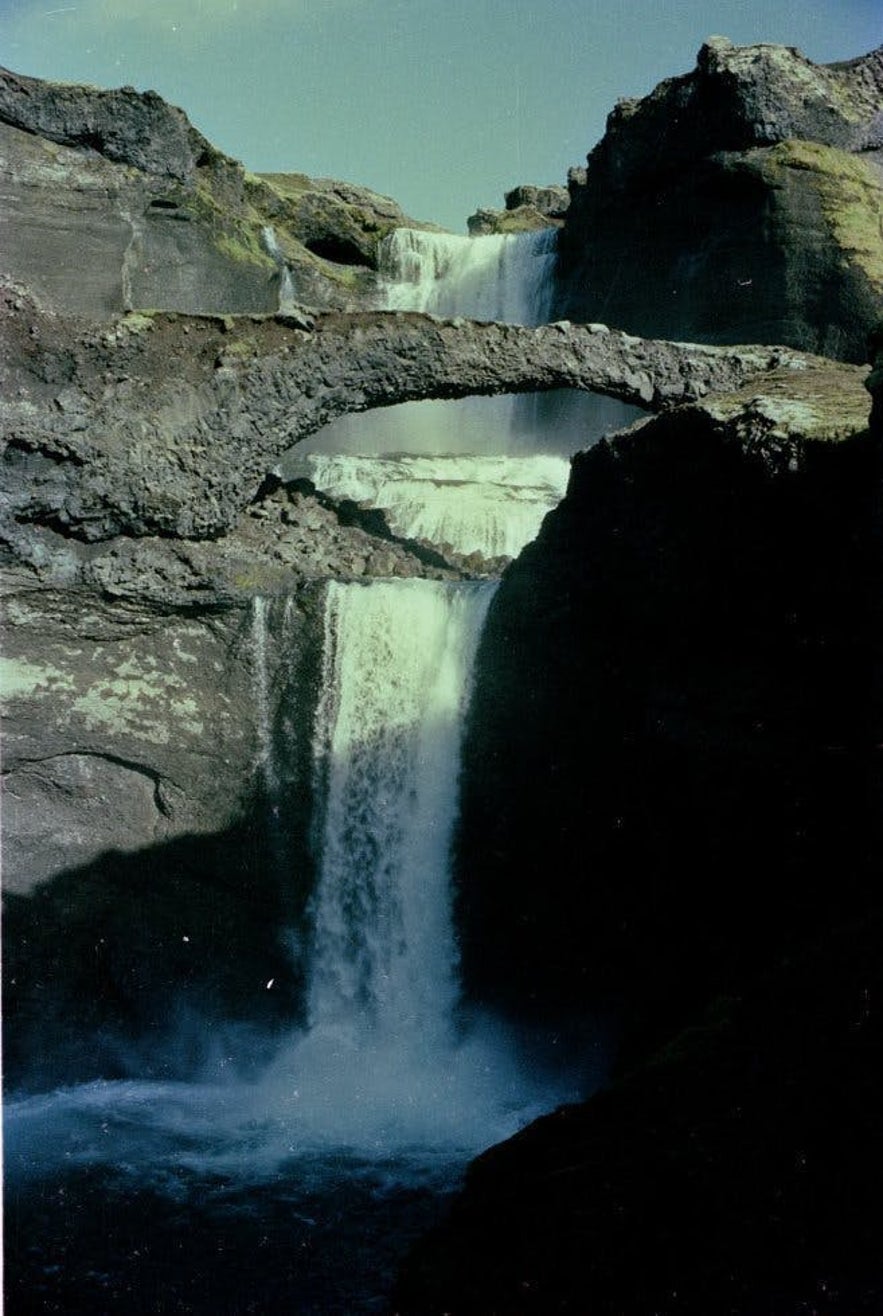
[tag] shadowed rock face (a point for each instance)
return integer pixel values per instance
(740, 203)
(671, 819)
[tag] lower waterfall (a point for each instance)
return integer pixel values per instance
(298, 1191)
(398, 665)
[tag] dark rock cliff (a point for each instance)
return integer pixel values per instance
(672, 741)
(739, 203)
(671, 811)
(672, 790)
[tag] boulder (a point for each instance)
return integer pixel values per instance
(527, 209)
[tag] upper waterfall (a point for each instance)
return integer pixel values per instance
(495, 277)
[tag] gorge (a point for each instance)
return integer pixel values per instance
(328, 860)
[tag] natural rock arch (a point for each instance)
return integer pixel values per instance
(168, 424)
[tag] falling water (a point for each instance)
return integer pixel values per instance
(398, 664)
(263, 713)
(493, 277)
(488, 505)
(508, 277)
(328, 1164)
(286, 284)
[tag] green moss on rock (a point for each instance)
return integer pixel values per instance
(849, 192)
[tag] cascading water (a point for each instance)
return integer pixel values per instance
(363, 1121)
(494, 277)
(488, 505)
(398, 663)
(507, 277)
(286, 284)
(365, 1117)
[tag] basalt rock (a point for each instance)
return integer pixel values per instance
(673, 750)
(739, 203)
(115, 202)
(528, 208)
(736, 1172)
(677, 678)
(166, 425)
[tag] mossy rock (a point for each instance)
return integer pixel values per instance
(849, 192)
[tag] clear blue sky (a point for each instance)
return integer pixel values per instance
(443, 104)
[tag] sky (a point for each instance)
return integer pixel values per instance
(442, 104)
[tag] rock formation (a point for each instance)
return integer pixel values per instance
(672, 780)
(748, 196)
(671, 827)
(527, 208)
(114, 202)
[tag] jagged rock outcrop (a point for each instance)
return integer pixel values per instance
(114, 202)
(527, 209)
(338, 221)
(739, 203)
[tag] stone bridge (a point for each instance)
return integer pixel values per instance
(168, 424)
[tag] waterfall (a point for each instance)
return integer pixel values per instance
(397, 674)
(263, 713)
(488, 505)
(286, 284)
(508, 277)
(493, 277)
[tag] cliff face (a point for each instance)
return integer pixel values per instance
(672, 726)
(740, 203)
(671, 826)
(115, 202)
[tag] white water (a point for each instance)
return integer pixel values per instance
(490, 505)
(397, 676)
(503, 277)
(263, 712)
(382, 1071)
(496, 277)
(286, 284)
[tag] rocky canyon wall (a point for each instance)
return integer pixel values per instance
(741, 202)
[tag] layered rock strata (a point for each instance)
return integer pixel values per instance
(113, 201)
